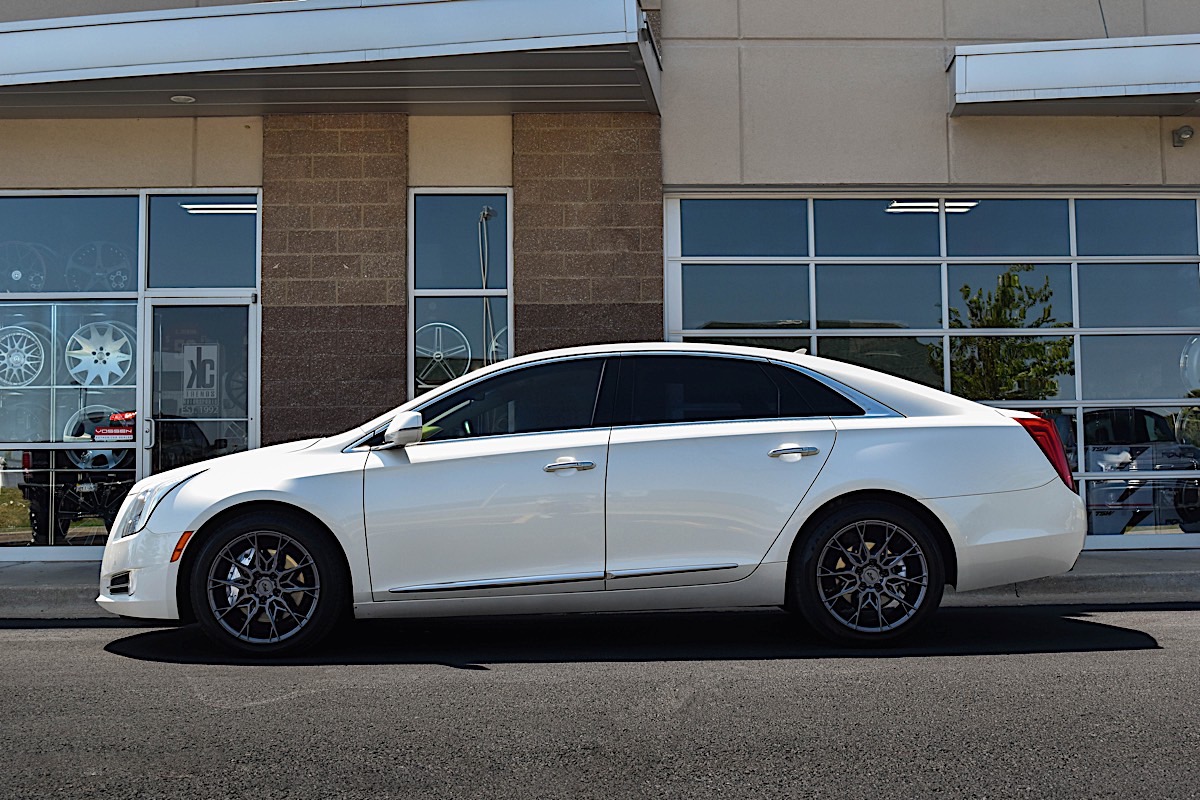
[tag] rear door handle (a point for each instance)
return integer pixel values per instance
(794, 451)
(559, 466)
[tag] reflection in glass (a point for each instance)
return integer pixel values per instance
(200, 362)
(1010, 228)
(889, 228)
(870, 296)
(1132, 367)
(459, 240)
(1141, 439)
(789, 343)
(1132, 227)
(1010, 367)
(1009, 295)
(68, 244)
(179, 442)
(1139, 295)
(454, 335)
(745, 296)
(203, 241)
(46, 499)
(1143, 506)
(744, 227)
(903, 356)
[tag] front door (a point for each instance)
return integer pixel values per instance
(505, 495)
(198, 382)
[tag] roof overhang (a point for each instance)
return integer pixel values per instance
(1136, 76)
(300, 56)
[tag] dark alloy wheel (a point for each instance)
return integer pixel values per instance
(868, 573)
(269, 584)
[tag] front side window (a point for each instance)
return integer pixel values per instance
(548, 397)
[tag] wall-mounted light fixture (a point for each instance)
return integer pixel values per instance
(1181, 135)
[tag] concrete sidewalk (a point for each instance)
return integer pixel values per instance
(67, 589)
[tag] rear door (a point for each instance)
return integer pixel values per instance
(709, 457)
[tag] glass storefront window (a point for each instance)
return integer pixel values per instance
(1134, 227)
(1139, 295)
(915, 358)
(1085, 311)
(48, 498)
(870, 296)
(745, 296)
(744, 227)
(460, 293)
(458, 238)
(1008, 228)
(1009, 295)
(891, 228)
(68, 244)
(203, 241)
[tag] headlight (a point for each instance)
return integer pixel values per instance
(136, 511)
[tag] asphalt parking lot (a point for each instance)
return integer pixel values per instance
(1049, 701)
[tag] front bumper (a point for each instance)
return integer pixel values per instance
(146, 556)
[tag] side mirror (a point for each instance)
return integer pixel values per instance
(405, 428)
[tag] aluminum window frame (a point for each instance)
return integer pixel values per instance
(410, 272)
(673, 261)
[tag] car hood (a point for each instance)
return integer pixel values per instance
(239, 461)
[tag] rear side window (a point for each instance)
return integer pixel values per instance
(802, 396)
(545, 397)
(658, 389)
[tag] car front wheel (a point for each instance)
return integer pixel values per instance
(868, 573)
(268, 584)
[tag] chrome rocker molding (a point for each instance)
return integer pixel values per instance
(538, 580)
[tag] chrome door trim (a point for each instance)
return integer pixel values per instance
(499, 583)
(617, 574)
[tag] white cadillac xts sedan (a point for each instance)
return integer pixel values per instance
(621, 477)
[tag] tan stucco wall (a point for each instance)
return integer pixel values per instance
(99, 154)
(460, 151)
(855, 92)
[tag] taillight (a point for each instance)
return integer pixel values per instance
(1046, 436)
(26, 461)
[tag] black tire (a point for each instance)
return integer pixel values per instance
(246, 606)
(878, 599)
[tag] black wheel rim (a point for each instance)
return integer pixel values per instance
(872, 576)
(263, 587)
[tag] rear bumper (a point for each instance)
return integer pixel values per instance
(1008, 537)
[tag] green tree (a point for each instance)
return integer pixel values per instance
(1006, 367)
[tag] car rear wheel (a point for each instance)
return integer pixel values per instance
(868, 573)
(269, 584)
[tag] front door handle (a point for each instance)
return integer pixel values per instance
(559, 466)
(794, 451)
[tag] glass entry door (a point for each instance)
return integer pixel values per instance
(198, 386)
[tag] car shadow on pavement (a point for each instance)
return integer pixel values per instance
(472, 643)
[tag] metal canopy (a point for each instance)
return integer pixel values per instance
(300, 56)
(1136, 76)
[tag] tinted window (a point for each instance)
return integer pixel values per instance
(1135, 227)
(456, 236)
(551, 397)
(876, 227)
(203, 240)
(802, 396)
(744, 227)
(695, 389)
(1008, 228)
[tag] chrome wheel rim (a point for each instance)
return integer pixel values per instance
(100, 354)
(263, 587)
(21, 356)
(443, 353)
(872, 576)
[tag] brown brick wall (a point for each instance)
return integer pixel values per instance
(335, 196)
(587, 238)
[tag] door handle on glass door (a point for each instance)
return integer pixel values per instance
(793, 450)
(559, 466)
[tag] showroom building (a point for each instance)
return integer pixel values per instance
(226, 225)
